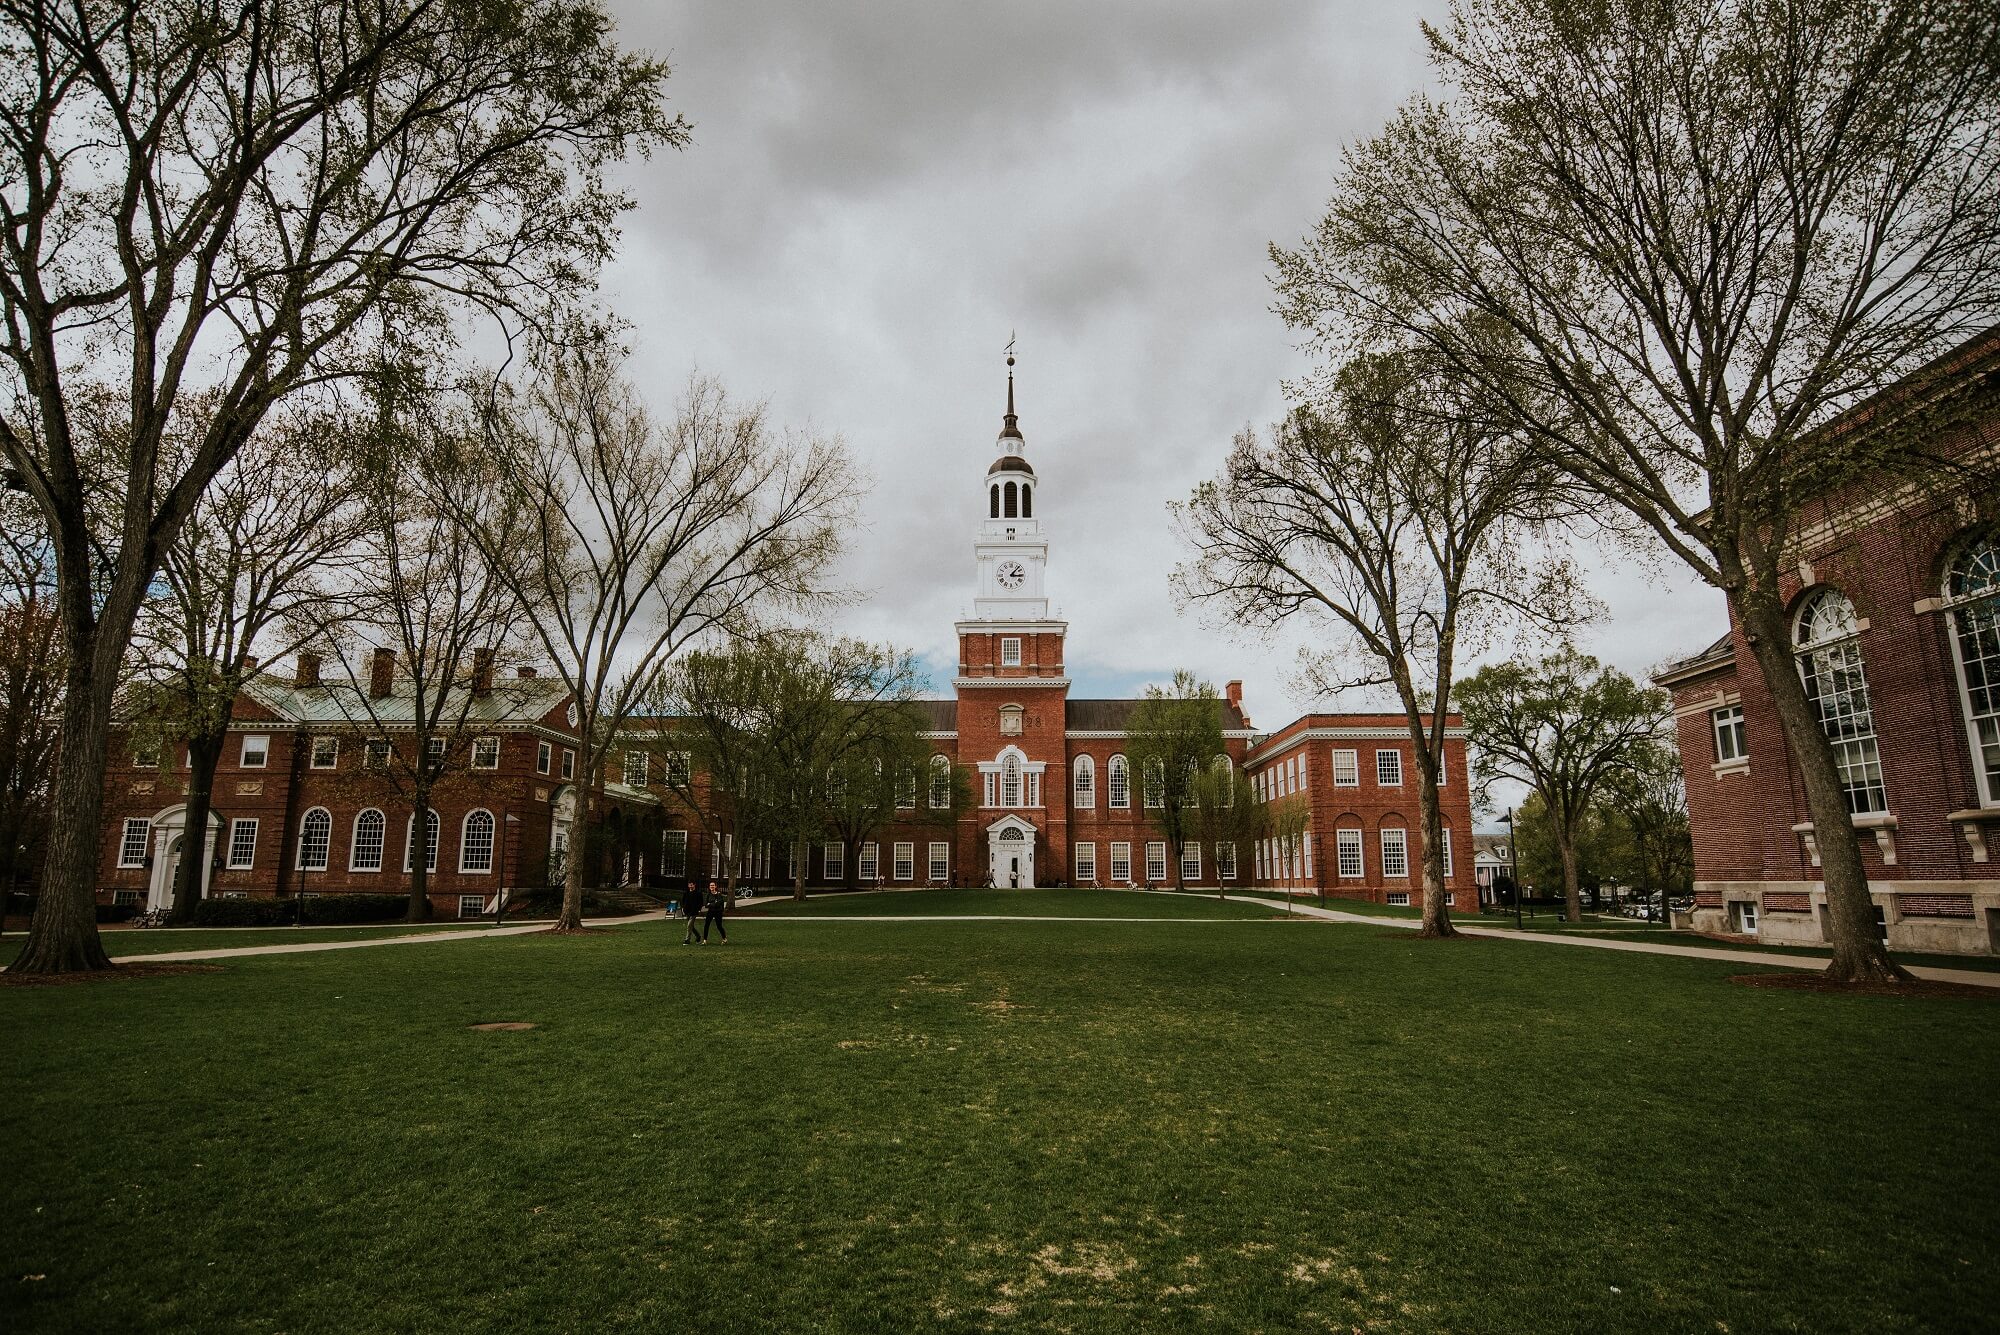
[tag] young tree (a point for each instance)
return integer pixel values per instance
(1172, 738)
(213, 201)
(634, 539)
(1224, 809)
(1649, 795)
(1709, 227)
(1393, 518)
(1563, 725)
(1286, 820)
(258, 571)
(31, 682)
(713, 697)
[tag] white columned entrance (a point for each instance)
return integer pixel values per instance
(169, 848)
(1010, 843)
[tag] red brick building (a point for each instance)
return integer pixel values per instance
(1054, 799)
(1895, 605)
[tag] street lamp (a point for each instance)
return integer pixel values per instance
(1513, 872)
(500, 890)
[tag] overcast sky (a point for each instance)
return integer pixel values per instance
(878, 193)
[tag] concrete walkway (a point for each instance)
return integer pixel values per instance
(407, 938)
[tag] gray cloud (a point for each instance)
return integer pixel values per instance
(879, 192)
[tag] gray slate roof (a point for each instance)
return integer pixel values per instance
(1114, 715)
(512, 700)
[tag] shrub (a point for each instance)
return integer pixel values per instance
(117, 912)
(335, 910)
(243, 913)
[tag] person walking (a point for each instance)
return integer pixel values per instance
(691, 905)
(717, 901)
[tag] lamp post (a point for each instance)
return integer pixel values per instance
(500, 890)
(1513, 872)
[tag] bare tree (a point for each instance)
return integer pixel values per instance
(1710, 227)
(208, 198)
(1172, 737)
(1225, 810)
(1564, 726)
(31, 680)
(1396, 518)
(637, 538)
(257, 572)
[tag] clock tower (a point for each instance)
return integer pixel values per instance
(1010, 547)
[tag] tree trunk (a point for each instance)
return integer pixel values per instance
(1858, 952)
(1566, 850)
(204, 753)
(419, 909)
(1175, 847)
(799, 871)
(62, 936)
(1437, 918)
(570, 919)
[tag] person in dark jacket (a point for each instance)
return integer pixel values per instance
(691, 905)
(716, 901)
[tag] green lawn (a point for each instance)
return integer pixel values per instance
(963, 1127)
(1006, 903)
(122, 942)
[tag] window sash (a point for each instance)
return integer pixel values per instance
(370, 833)
(673, 852)
(1083, 786)
(1976, 641)
(1118, 786)
(1191, 862)
(940, 861)
(1836, 683)
(325, 752)
(1389, 769)
(544, 757)
(1010, 651)
(636, 769)
(1396, 853)
(905, 867)
(568, 764)
(475, 842)
(256, 752)
(243, 843)
(940, 785)
(1083, 858)
(1727, 724)
(132, 847)
(431, 824)
(315, 839)
(1225, 861)
(833, 860)
(1121, 863)
(869, 864)
(1156, 860)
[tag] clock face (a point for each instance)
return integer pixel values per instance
(1010, 574)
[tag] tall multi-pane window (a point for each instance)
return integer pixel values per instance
(1444, 847)
(940, 783)
(992, 789)
(905, 864)
(243, 842)
(1118, 783)
(1034, 789)
(544, 755)
(1083, 787)
(673, 852)
(635, 769)
(1156, 783)
(325, 752)
(1010, 783)
(940, 868)
(256, 752)
(1347, 852)
(1010, 651)
(1829, 654)
(1156, 860)
(1973, 587)
(132, 847)
(1191, 862)
(475, 842)
(430, 841)
(315, 836)
(1085, 857)
(1730, 742)
(1395, 852)
(375, 753)
(486, 753)
(1389, 769)
(679, 768)
(833, 859)
(869, 863)
(1225, 861)
(1121, 864)
(906, 790)
(366, 853)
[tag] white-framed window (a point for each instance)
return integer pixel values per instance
(471, 906)
(1034, 781)
(1730, 741)
(1399, 899)
(673, 852)
(370, 833)
(833, 857)
(1828, 643)
(1155, 794)
(124, 897)
(1118, 784)
(904, 866)
(1156, 861)
(132, 845)
(869, 864)
(486, 753)
(256, 751)
(1083, 783)
(568, 765)
(1746, 916)
(1083, 858)
(940, 783)
(1444, 848)
(1010, 651)
(1010, 783)
(992, 784)
(1389, 769)
(1450, 899)
(1972, 587)
(315, 837)
(475, 842)
(1306, 849)
(145, 755)
(1191, 862)
(430, 840)
(1121, 863)
(906, 790)
(375, 753)
(544, 757)
(1395, 852)
(1225, 861)
(243, 843)
(679, 769)
(635, 769)
(940, 868)
(1257, 853)
(325, 752)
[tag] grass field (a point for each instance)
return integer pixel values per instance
(1082, 1126)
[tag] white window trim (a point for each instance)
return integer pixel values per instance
(492, 847)
(1399, 899)
(478, 903)
(568, 764)
(1191, 850)
(479, 742)
(354, 841)
(833, 860)
(332, 761)
(376, 753)
(868, 866)
(264, 751)
(938, 870)
(1344, 840)
(1083, 784)
(545, 757)
(1152, 861)
(1444, 849)
(1010, 651)
(1387, 754)
(1954, 606)
(1121, 851)
(145, 828)
(1116, 763)
(1225, 866)
(1083, 860)
(326, 856)
(639, 762)
(253, 823)
(410, 841)
(1402, 841)
(903, 861)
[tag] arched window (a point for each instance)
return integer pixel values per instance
(1225, 771)
(370, 829)
(1010, 783)
(475, 842)
(1027, 501)
(1972, 585)
(1829, 654)
(1156, 783)
(315, 837)
(940, 783)
(1010, 501)
(993, 501)
(430, 841)
(1118, 784)
(1083, 787)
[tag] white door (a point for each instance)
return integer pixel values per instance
(166, 864)
(1013, 859)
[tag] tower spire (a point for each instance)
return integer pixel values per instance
(1011, 427)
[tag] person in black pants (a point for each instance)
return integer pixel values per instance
(691, 905)
(716, 902)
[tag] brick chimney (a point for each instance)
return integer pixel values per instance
(249, 664)
(382, 674)
(482, 670)
(1233, 693)
(307, 672)
(525, 673)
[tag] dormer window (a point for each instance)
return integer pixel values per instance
(1010, 720)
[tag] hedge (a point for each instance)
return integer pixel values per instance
(323, 910)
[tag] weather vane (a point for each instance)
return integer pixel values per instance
(1010, 347)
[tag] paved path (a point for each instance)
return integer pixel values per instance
(407, 938)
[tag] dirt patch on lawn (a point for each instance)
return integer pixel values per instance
(1814, 982)
(502, 1026)
(136, 969)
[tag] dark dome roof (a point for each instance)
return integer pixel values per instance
(1010, 463)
